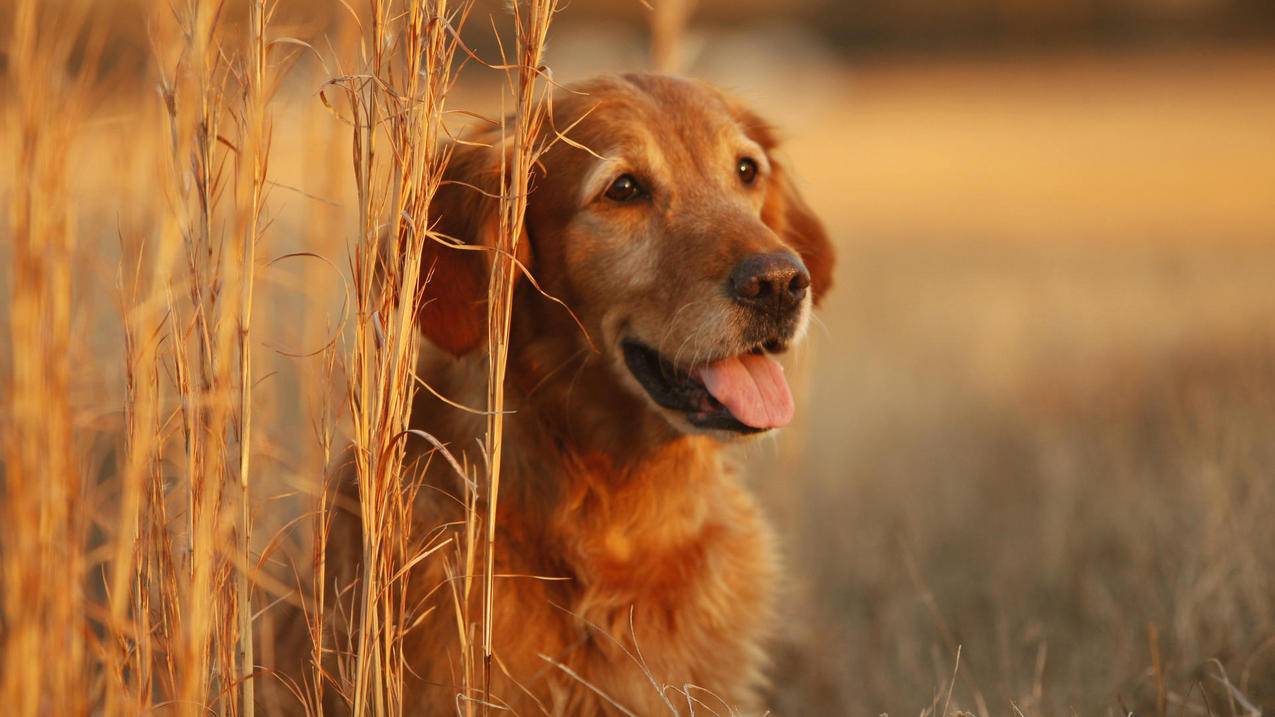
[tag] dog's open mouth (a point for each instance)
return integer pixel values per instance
(746, 393)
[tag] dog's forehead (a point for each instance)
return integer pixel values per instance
(636, 110)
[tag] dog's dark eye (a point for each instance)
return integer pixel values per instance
(747, 169)
(624, 189)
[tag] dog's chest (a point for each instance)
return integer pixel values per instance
(681, 598)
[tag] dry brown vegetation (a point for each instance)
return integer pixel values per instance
(145, 577)
(1051, 457)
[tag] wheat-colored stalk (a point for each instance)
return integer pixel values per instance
(525, 83)
(44, 510)
(253, 163)
(667, 23)
(190, 613)
(260, 71)
(396, 102)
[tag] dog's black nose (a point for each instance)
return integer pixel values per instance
(775, 282)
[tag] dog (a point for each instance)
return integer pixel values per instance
(632, 559)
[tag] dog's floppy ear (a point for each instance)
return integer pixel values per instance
(465, 209)
(787, 213)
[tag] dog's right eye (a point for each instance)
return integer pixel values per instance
(624, 189)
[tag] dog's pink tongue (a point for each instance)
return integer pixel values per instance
(753, 389)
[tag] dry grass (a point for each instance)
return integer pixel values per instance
(1043, 455)
(394, 104)
(156, 573)
(43, 586)
(1050, 457)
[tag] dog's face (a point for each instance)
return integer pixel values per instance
(679, 242)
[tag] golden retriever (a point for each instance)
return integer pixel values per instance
(687, 255)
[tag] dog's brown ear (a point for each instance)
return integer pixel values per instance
(465, 209)
(787, 213)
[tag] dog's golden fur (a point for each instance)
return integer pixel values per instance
(667, 566)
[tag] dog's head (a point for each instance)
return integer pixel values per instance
(677, 237)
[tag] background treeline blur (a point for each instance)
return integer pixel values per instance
(851, 28)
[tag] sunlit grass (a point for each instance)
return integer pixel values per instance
(1039, 454)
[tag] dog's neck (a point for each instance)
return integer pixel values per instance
(598, 472)
(582, 453)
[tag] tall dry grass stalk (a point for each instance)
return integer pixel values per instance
(45, 528)
(395, 103)
(253, 159)
(203, 637)
(667, 23)
(526, 84)
(181, 608)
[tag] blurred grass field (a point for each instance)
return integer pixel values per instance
(1039, 412)
(1035, 416)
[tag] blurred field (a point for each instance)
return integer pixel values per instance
(1036, 414)
(1037, 454)
(1041, 404)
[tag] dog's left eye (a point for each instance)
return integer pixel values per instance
(624, 189)
(747, 169)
